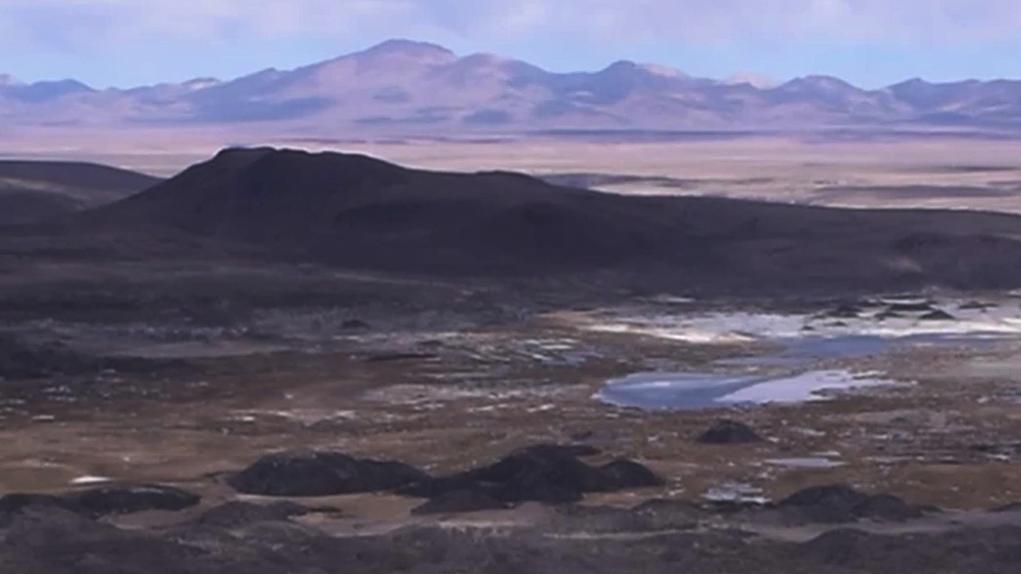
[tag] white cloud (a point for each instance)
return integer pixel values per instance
(80, 22)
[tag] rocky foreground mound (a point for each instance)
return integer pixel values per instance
(542, 473)
(102, 501)
(653, 537)
(827, 529)
(545, 473)
(321, 474)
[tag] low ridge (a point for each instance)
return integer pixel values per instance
(31, 191)
(356, 211)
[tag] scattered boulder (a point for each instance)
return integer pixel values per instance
(830, 503)
(622, 474)
(129, 499)
(839, 503)
(321, 474)
(355, 325)
(910, 307)
(976, 549)
(845, 311)
(550, 474)
(458, 501)
(729, 432)
(99, 502)
(937, 315)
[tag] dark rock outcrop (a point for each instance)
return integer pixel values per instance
(840, 503)
(623, 474)
(321, 474)
(545, 473)
(355, 325)
(910, 307)
(653, 538)
(985, 550)
(937, 315)
(844, 311)
(729, 432)
(128, 499)
(105, 501)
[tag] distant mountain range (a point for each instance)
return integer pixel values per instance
(412, 88)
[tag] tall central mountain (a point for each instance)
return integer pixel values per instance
(359, 212)
(412, 88)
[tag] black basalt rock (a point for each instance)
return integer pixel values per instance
(321, 474)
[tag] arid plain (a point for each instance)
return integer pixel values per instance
(183, 368)
(897, 169)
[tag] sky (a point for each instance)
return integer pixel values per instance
(871, 43)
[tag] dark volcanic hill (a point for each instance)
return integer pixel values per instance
(35, 190)
(359, 212)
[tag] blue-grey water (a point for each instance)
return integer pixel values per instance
(705, 389)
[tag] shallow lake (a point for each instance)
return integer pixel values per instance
(707, 390)
(797, 371)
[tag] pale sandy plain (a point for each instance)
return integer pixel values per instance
(913, 170)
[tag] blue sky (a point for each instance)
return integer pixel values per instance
(868, 42)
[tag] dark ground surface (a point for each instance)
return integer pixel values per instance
(655, 536)
(186, 373)
(31, 191)
(357, 212)
(180, 356)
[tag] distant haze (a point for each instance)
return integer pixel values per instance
(870, 43)
(407, 88)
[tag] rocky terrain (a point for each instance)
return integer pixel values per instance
(289, 362)
(830, 528)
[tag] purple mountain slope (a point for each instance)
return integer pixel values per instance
(409, 88)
